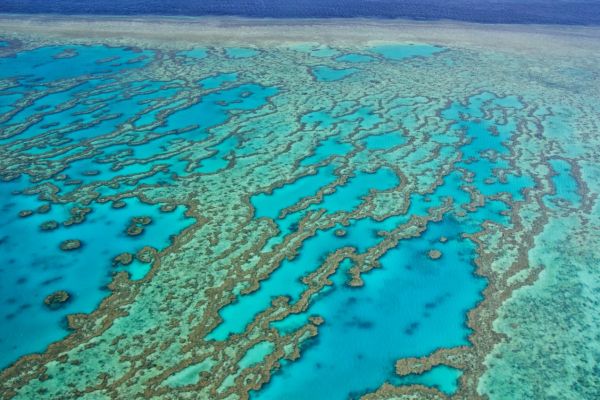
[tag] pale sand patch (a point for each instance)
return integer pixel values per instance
(175, 32)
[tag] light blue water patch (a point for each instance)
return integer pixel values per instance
(399, 311)
(62, 62)
(484, 155)
(327, 74)
(329, 147)
(190, 375)
(240, 52)
(286, 225)
(198, 53)
(355, 58)
(348, 196)
(50, 102)
(213, 82)
(492, 211)
(384, 141)
(34, 266)
(285, 280)
(403, 51)
(91, 118)
(565, 185)
(104, 170)
(4, 43)
(441, 377)
(8, 100)
(256, 354)
(117, 112)
(218, 161)
(213, 108)
(270, 205)
(407, 308)
(290, 324)
(151, 117)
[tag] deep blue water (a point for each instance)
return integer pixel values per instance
(577, 12)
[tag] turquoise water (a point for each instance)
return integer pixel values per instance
(565, 185)
(285, 281)
(355, 58)
(401, 52)
(217, 160)
(407, 308)
(441, 377)
(213, 82)
(417, 294)
(327, 74)
(240, 52)
(88, 109)
(385, 141)
(196, 53)
(328, 148)
(256, 354)
(277, 158)
(35, 266)
(189, 375)
(42, 65)
(271, 205)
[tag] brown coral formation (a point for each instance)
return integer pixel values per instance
(118, 204)
(43, 209)
(57, 300)
(167, 207)
(78, 215)
(137, 224)
(71, 244)
(49, 225)
(144, 220)
(434, 254)
(146, 255)
(340, 232)
(135, 230)
(123, 259)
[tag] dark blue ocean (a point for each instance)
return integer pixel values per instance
(572, 12)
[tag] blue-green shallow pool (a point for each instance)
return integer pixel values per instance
(441, 377)
(34, 265)
(409, 307)
(62, 62)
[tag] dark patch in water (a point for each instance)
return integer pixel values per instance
(359, 323)
(410, 329)
(51, 280)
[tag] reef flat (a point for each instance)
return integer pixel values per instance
(233, 209)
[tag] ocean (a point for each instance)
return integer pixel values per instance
(569, 12)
